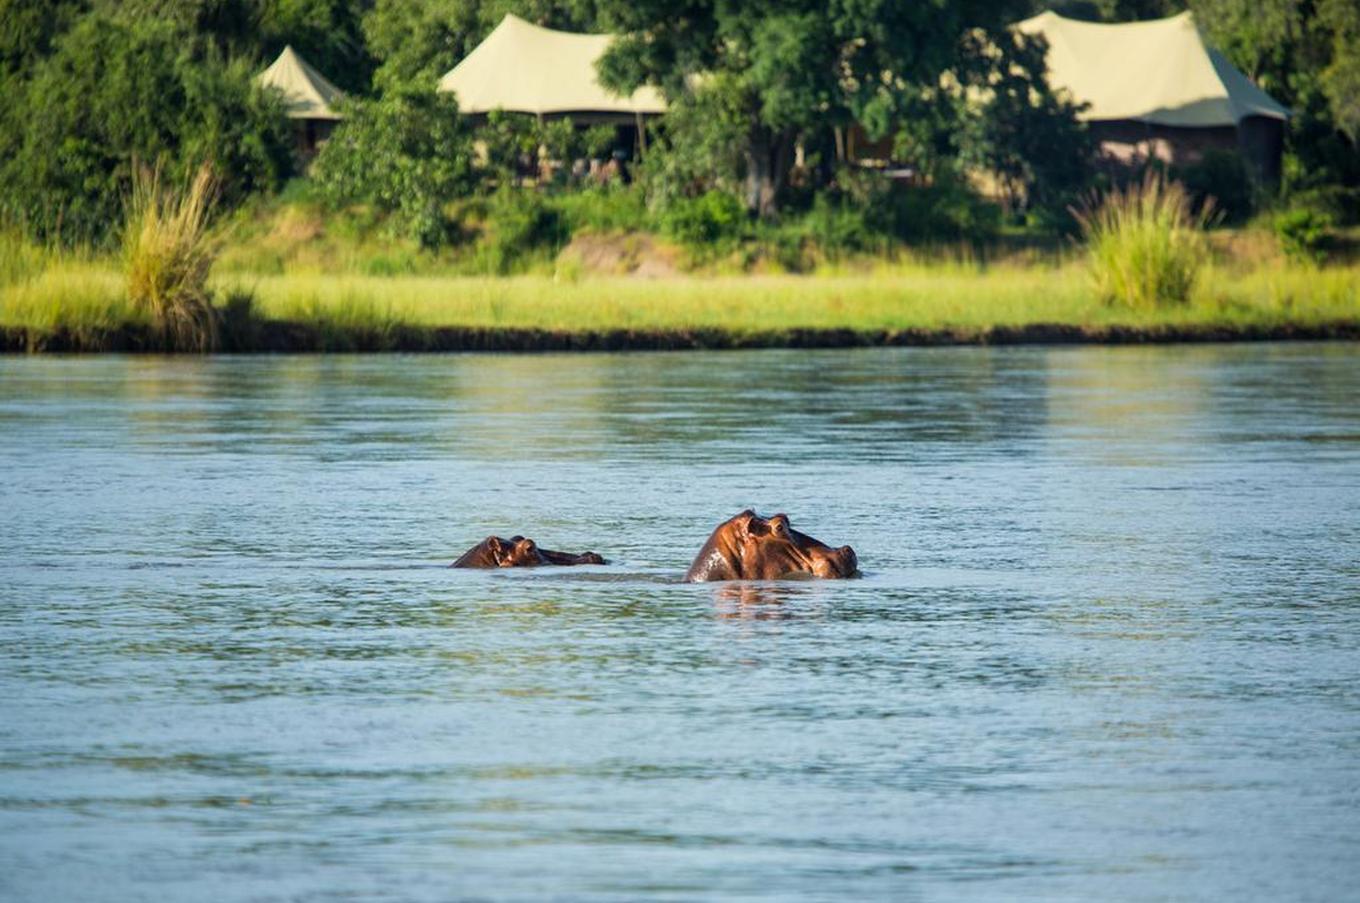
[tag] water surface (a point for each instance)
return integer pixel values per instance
(1107, 646)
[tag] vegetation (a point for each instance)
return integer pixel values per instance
(168, 257)
(409, 206)
(404, 153)
(1146, 243)
(51, 292)
(750, 81)
(1303, 234)
(114, 88)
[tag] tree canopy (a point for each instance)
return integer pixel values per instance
(89, 86)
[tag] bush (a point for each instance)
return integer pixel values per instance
(520, 223)
(1303, 234)
(168, 257)
(610, 208)
(1220, 176)
(1145, 242)
(114, 90)
(407, 153)
(837, 228)
(945, 210)
(713, 218)
(1339, 202)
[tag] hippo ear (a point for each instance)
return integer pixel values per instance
(756, 526)
(497, 548)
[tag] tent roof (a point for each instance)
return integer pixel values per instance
(308, 93)
(525, 68)
(1159, 72)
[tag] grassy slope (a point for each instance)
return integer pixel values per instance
(892, 298)
(319, 271)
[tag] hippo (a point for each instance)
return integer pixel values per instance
(518, 552)
(751, 547)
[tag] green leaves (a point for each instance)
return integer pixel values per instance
(408, 153)
(116, 89)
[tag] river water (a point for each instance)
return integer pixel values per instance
(1107, 644)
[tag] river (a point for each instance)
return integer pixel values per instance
(1106, 645)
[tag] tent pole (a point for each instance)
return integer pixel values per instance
(642, 135)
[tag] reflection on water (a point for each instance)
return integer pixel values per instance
(1106, 645)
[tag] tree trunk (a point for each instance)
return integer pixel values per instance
(769, 155)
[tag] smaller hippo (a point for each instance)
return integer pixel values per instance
(751, 547)
(518, 552)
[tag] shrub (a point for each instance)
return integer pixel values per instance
(1340, 202)
(168, 256)
(1303, 233)
(117, 88)
(407, 153)
(713, 218)
(947, 209)
(1145, 242)
(1220, 176)
(520, 223)
(609, 208)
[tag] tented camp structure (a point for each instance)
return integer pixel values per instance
(310, 98)
(525, 68)
(1155, 90)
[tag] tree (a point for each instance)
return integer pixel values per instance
(114, 91)
(406, 153)
(1306, 53)
(417, 41)
(1024, 135)
(791, 67)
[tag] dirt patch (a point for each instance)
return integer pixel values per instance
(297, 226)
(619, 254)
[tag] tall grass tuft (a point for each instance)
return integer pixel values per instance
(168, 256)
(1146, 242)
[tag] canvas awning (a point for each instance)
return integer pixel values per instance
(525, 68)
(308, 93)
(1159, 72)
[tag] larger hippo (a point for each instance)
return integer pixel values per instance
(518, 552)
(751, 547)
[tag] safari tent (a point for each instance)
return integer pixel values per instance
(310, 98)
(525, 68)
(1155, 90)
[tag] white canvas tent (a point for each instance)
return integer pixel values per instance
(525, 68)
(1155, 89)
(308, 93)
(309, 96)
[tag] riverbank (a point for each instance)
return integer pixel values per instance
(286, 337)
(82, 308)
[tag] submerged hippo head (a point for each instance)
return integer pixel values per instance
(518, 552)
(751, 547)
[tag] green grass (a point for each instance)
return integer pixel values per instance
(895, 298)
(1146, 243)
(84, 295)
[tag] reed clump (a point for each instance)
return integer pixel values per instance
(168, 256)
(1145, 242)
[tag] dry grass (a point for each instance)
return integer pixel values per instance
(168, 256)
(1146, 243)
